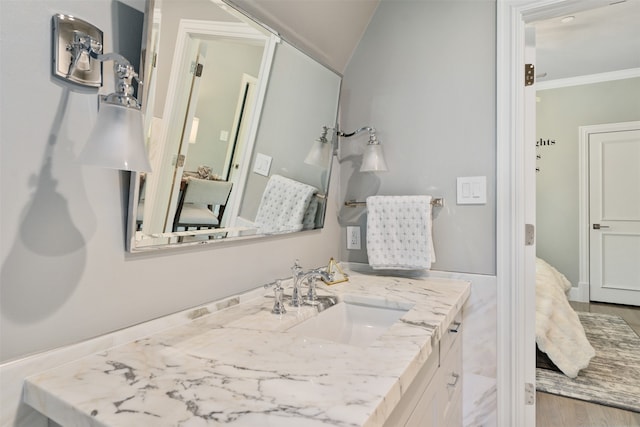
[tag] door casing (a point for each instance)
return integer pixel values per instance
(516, 323)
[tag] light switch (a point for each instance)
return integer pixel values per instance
(465, 190)
(472, 190)
(262, 164)
(477, 191)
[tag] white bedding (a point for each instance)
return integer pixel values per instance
(559, 332)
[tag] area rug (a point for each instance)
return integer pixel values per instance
(613, 375)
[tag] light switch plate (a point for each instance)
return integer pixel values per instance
(262, 164)
(472, 190)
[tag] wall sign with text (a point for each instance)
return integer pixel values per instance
(543, 143)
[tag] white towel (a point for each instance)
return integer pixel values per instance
(399, 232)
(283, 205)
(309, 220)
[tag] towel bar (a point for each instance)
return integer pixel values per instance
(437, 203)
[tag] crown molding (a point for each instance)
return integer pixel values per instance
(589, 79)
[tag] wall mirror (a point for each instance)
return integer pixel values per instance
(231, 112)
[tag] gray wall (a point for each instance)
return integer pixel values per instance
(218, 96)
(560, 112)
(424, 77)
(302, 96)
(64, 274)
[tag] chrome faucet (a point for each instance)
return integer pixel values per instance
(299, 276)
(310, 277)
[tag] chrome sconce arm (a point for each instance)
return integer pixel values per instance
(372, 133)
(124, 74)
(372, 160)
(117, 140)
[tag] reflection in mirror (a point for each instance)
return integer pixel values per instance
(231, 111)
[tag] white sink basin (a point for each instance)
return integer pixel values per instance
(350, 322)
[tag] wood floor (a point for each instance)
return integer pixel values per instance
(557, 411)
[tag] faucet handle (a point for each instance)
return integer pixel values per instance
(296, 269)
(278, 305)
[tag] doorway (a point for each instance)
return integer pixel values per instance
(516, 287)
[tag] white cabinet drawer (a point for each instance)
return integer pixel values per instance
(449, 336)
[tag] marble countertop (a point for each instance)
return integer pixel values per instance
(239, 366)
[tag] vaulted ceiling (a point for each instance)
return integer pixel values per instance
(329, 30)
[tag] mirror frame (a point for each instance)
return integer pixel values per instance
(132, 245)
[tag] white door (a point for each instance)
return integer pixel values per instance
(614, 213)
(160, 194)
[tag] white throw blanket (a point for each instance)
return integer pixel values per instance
(283, 205)
(559, 332)
(399, 232)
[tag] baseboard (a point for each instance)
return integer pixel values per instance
(579, 293)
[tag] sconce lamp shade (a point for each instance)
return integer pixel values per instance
(320, 153)
(373, 159)
(117, 140)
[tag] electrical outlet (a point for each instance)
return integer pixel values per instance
(353, 237)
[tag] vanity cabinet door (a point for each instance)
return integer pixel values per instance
(413, 405)
(434, 398)
(425, 414)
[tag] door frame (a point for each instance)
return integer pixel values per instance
(515, 309)
(242, 148)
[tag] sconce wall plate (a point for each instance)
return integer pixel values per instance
(65, 28)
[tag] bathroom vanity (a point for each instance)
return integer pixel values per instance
(244, 366)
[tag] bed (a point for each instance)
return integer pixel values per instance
(559, 333)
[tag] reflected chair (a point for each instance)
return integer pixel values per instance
(202, 204)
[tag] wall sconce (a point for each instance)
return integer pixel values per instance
(372, 159)
(320, 152)
(117, 139)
